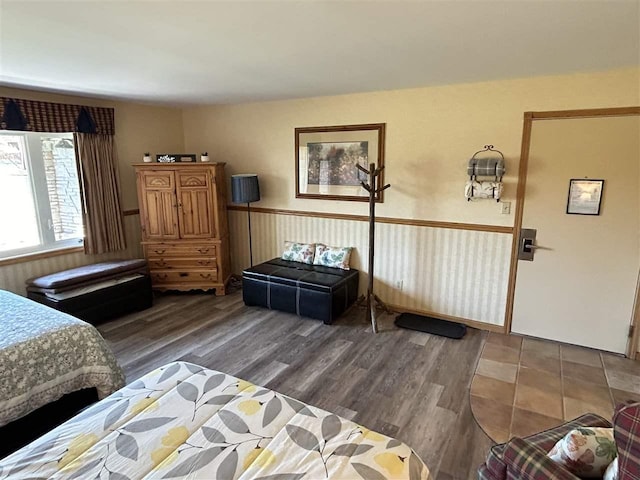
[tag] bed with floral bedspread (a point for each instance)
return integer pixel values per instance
(45, 354)
(185, 421)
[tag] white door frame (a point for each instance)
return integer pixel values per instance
(529, 118)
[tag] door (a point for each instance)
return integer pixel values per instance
(580, 286)
(195, 204)
(159, 206)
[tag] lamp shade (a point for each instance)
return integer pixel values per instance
(245, 188)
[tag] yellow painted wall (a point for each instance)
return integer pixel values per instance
(431, 134)
(139, 128)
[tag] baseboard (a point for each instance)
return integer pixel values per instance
(471, 323)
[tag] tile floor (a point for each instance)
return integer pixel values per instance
(524, 385)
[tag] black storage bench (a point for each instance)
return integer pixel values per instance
(313, 291)
(95, 292)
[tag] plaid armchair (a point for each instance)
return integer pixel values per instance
(526, 459)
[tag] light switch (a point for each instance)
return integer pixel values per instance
(505, 208)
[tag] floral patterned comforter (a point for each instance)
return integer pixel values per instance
(185, 421)
(45, 354)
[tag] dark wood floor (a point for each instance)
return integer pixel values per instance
(409, 385)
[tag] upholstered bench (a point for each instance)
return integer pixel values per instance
(314, 291)
(95, 292)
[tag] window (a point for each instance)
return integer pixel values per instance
(40, 205)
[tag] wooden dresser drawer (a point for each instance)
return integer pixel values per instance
(181, 250)
(173, 263)
(163, 277)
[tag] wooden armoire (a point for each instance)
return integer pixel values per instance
(185, 234)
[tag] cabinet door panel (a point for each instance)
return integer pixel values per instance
(195, 214)
(158, 204)
(161, 216)
(170, 217)
(195, 204)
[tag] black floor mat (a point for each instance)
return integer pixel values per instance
(431, 325)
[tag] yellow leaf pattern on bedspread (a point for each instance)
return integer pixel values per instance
(170, 443)
(392, 463)
(143, 404)
(249, 407)
(262, 457)
(245, 386)
(77, 446)
(371, 435)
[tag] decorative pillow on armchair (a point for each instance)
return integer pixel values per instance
(299, 252)
(585, 452)
(336, 257)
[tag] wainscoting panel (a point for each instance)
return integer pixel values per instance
(447, 271)
(12, 277)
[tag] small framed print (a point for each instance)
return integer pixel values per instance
(186, 157)
(585, 196)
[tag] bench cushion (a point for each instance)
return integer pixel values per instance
(69, 279)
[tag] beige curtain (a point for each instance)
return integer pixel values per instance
(102, 215)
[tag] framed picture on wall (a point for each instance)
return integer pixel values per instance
(326, 159)
(585, 196)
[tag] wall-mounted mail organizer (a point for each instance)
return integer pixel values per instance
(485, 171)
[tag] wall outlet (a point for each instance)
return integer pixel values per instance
(505, 208)
(399, 284)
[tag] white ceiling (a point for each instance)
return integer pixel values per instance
(187, 52)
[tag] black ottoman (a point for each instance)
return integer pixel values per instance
(313, 291)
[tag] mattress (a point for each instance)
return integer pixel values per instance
(185, 421)
(45, 354)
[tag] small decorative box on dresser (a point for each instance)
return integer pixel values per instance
(185, 234)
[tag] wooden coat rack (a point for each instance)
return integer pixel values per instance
(373, 301)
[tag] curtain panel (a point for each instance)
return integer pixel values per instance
(102, 215)
(37, 116)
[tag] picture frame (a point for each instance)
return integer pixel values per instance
(585, 196)
(176, 157)
(326, 158)
(187, 158)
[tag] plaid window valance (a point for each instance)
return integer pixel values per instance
(36, 116)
